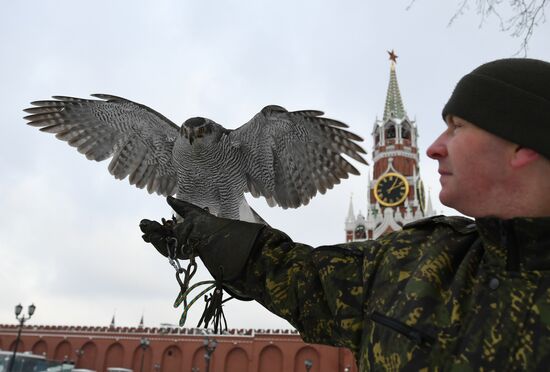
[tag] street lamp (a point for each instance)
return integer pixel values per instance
(78, 352)
(144, 343)
(22, 319)
(308, 363)
(209, 346)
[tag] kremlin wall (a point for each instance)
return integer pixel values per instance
(172, 349)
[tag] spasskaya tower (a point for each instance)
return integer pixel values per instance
(395, 194)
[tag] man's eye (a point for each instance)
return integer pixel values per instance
(456, 126)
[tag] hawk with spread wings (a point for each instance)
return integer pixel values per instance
(286, 157)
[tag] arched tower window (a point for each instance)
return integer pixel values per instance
(390, 132)
(406, 131)
(360, 232)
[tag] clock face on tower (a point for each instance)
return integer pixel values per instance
(391, 189)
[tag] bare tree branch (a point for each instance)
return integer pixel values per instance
(460, 11)
(410, 4)
(519, 18)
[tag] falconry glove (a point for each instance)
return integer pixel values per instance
(160, 236)
(223, 244)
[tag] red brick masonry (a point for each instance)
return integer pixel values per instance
(176, 349)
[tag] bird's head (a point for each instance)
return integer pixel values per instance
(197, 129)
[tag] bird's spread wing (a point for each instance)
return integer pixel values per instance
(139, 139)
(292, 155)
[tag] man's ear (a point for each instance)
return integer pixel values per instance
(523, 156)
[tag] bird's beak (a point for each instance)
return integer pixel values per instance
(191, 138)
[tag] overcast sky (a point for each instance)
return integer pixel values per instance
(69, 236)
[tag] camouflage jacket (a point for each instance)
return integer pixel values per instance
(443, 294)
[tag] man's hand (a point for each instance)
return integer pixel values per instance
(198, 225)
(160, 235)
(179, 240)
(222, 244)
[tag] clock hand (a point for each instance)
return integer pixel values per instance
(393, 186)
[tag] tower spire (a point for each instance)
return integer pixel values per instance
(394, 105)
(429, 208)
(350, 219)
(351, 214)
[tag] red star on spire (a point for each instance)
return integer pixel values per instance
(393, 56)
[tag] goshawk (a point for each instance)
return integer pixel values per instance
(283, 156)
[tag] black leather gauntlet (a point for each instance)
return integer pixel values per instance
(223, 244)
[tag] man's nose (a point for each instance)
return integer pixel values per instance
(438, 149)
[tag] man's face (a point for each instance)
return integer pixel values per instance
(473, 165)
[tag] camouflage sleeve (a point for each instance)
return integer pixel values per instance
(319, 291)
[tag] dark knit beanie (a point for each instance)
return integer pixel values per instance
(509, 98)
